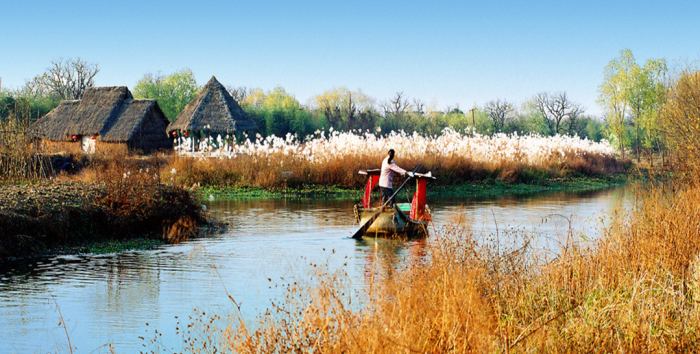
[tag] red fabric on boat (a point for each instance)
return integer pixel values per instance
(371, 182)
(418, 204)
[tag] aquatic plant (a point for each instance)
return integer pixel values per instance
(335, 158)
(320, 148)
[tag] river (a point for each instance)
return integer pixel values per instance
(110, 301)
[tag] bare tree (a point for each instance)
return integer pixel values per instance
(418, 106)
(561, 114)
(238, 93)
(396, 106)
(499, 111)
(350, 108)
(67, 80)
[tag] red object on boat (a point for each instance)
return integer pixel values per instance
(371, 182)
(418, 203)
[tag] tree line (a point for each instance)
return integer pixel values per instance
(633, 97)
(278, 112)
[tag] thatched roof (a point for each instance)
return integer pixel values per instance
(213, 110)
(111, 113)
(132, 119)
(56, 124)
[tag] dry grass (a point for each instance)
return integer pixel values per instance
(20, 161)
(680, 118)
(278, 170)
(636, 290)
(335, 159)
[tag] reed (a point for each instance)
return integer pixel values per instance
(634, 290)
(276, 162)
(20, 160)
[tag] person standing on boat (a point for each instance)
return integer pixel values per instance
(389, 167)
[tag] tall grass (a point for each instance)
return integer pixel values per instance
(20, 160)
(335, 159)
(635, 290)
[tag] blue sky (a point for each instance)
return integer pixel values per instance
(442, 52)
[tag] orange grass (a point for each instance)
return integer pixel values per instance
(636, 290)
(20, 161)
(279, 170)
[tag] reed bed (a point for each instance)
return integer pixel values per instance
(335, 158)
(635, 290)
(20, 160)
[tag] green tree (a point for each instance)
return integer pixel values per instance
(32, 105)
(613, 96)
(634, 94)
(277, 99)
(278, 111)
(647, 95)
(173, 92)
(341, 107)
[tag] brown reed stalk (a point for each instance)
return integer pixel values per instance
(63, 323)
(280, 171)
(20, 159)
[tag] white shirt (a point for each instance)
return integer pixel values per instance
(387, 174)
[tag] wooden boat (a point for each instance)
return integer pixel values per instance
(402, 220)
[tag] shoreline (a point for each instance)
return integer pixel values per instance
(52, 218)
(24, 228)
(471, 190)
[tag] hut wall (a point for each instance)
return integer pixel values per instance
(109, 148)
(72, 147)
(75, 147)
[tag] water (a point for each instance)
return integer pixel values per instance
(115, 299)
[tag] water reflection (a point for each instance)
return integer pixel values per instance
(382, 257)
(118, 297)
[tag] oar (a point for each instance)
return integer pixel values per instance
(374, 217)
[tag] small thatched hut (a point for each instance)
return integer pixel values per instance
(213, 112)
(106, 118)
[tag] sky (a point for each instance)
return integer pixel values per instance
(444, 53)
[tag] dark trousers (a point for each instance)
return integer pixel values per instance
(386, 194)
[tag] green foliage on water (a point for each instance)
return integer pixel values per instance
(305, 191)
(494, 188)
(116, 246)
(487, 188)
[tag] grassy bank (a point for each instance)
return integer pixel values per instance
(475, 190)
(65, 217)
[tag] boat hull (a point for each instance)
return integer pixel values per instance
(391, 222)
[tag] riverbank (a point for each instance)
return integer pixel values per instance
(488, 188)
(100, 217)
(78, 217)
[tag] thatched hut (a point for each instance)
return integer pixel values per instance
(212, 113)
(106, 118)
